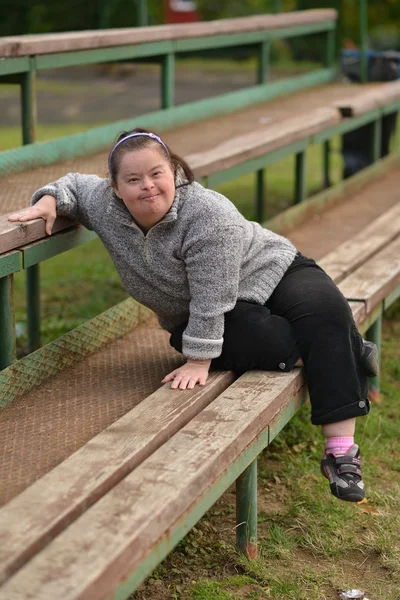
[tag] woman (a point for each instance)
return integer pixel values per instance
(231, 293)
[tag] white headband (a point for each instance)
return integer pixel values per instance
(153, 136)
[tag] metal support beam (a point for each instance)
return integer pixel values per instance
(300, 178)
(7, 322)
(363, 20)
(327, 164)
(29, 119)
(246, 511)
(142, 13)
(263, 62)
(33, 307)
(374, 334)
(330, 49)
(168, 80)
(376, 140)
(260, 186)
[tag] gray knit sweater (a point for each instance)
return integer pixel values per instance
(191, 266)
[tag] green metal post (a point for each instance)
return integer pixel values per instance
(28, 102)
(327, 164)
(142, 12)
(277, 6)
(330, 49)
(263, 62)
(246, 511)
(168, 80)
(363, 19)
(33, 307)
(7, 322)
(300, 178)
(374, 334)
(260, 182)
(28, 105)
(376, 140)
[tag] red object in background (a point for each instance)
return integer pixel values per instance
(180, 11)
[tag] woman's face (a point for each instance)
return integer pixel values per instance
(146, 185)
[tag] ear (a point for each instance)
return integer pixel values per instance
(114, 187)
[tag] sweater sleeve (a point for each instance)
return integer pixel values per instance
(213, 267)
(72, 193)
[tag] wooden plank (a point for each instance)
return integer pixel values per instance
(14, 235)
(257, 143)
(233, 152)
(104, 546)
(374, 280)
(357, 250)
(33, 518)
(359, 312)
(295, 216)
(26, 45)
(383, 93)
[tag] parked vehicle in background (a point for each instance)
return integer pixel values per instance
(180, 11)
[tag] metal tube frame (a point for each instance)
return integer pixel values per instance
(260, 186)
(168, 80)
(246, 511)
(300, 192)
(29, 121)
(7, 321)
(363, 24)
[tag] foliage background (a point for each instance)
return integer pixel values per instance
(43, 16)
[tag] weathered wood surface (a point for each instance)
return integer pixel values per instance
(14, 235)
(359, 312)
(228, 154)
(34, 517)
(384, 93)
(257, 143)
(374, 280)
(90, 557)
(357, 250)
(48, 43)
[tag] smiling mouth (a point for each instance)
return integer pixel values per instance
(149, 197)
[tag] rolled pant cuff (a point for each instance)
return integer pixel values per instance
(288, 363)
(350, 411)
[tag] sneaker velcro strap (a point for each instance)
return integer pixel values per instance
(351, 469)
(347, 460)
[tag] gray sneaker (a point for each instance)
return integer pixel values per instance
(344, 474)
(370, 359)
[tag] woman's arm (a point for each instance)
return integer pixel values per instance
(71, 194)
(213, 262)
(45, 209)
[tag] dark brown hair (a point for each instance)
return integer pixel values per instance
(138, 143)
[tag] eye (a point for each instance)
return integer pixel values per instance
(132, 179)
(156, 173)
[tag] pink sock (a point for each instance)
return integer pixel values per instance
(338, 445)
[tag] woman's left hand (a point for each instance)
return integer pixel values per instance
(186, 376)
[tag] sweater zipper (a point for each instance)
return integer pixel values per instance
(146, 247)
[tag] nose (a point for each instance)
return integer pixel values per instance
(147, 183)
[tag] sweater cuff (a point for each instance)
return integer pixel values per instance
(51, 190)
(201, 349)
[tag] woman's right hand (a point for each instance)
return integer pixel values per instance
(45, 209)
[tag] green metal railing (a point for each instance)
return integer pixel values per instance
(22, 71)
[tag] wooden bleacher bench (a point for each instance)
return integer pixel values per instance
(103, 518)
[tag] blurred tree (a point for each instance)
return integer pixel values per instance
(42, 16)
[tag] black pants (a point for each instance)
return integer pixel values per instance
(308, 317)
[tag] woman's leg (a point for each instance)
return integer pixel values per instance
(253, 339)
(331, 349)
(329, 343)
